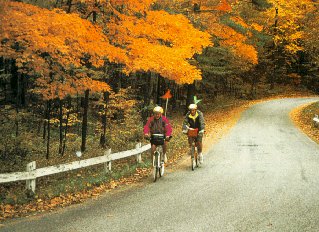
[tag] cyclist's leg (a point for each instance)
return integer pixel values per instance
(199, 143)
(164, 151)
(153, 148)
(164, 147)
(190, 142)
(199, 146)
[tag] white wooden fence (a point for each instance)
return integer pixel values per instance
(32, 173)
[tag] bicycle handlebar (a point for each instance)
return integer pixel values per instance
(164, 138)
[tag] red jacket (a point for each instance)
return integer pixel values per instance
(160, 126)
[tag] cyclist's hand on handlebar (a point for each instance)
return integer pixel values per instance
(201, 132)
(147, 136)
(167, 138)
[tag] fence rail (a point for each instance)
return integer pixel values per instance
(32, 173)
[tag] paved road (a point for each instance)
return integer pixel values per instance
(262, 176)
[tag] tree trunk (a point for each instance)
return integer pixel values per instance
(190, 95)
(45, 125)
(158, 90)
(273, 77)
(69, 3)
(66, 126)
(78, 103)
(61, 126)
(94, 16)
(103, 141)
(85, 120)
(174, 95)
(147, 95)
(48, 137)
(18, 101)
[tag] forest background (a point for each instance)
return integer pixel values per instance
(84, 75)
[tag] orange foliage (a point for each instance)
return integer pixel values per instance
(152, 41)
(160, 43)
(66, 37)
(243, 51)
(144, 34)
(236, 42)
(257, 27)
(47, 43)
(239, 21)
(224, 6)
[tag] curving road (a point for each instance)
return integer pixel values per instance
(262, 176)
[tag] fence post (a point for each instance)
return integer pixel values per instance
(108, 165)
(30, 184)
(138, 156)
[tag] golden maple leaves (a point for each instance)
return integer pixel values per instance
(31, 34)
(138, 37)
(66, 37)
(211, 15)
(289, 30)
(160, 43)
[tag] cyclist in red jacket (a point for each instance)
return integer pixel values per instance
(158, 124)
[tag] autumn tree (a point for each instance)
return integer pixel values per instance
(287, 29)
(234, 51)
(309, 58)
(53, 47)
(156, 43)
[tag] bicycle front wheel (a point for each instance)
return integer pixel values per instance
(193, 160)
(156, 165)
(196, 157)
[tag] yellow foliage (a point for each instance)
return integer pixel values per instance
(66, 37)
(240, 21)
(29, 32)
(236, 42)
(257, 27)
(289, 29)
(160, 43)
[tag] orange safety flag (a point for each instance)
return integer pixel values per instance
(167, 95)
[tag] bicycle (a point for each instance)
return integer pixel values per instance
(158, 156)
(192, 134)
